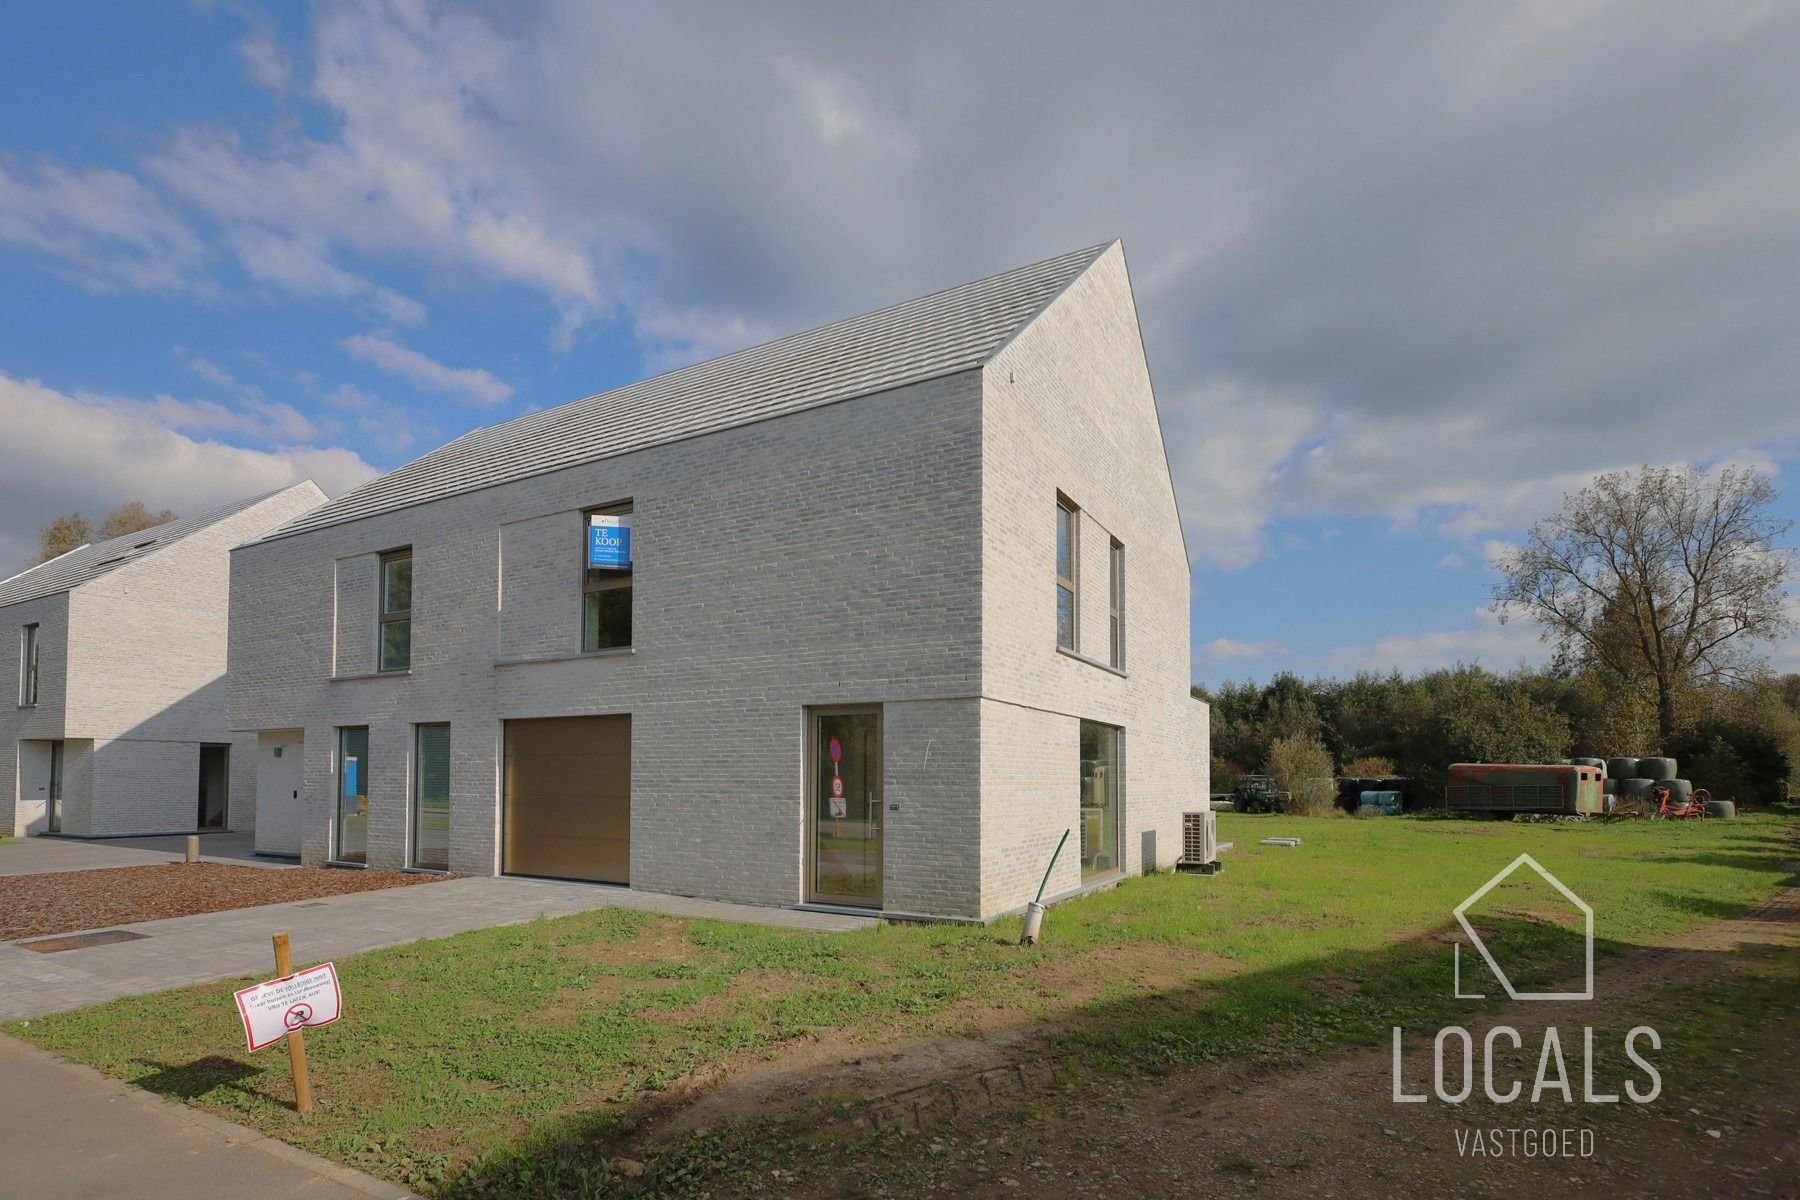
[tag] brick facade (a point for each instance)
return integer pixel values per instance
(843, 554)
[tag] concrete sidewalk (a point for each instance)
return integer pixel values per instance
(225, 945)
(74, 1134)
(39, 855)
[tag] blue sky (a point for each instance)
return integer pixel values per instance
(1407, 273)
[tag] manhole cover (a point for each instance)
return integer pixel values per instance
(78, 941)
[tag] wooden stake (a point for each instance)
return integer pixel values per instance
(284, 966)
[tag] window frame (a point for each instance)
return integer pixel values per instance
(1067, 508)
(338, 853)
(597, 580)
(386, 616)
(414, 862)
(1116, 604)
(30, 655)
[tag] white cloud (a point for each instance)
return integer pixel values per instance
(88, 453)
(471, 383)
(102, 228)
(1223, 649)
(387, 425)
(306, 271)
(264, 63)
(1452, 562)
(1484, 641)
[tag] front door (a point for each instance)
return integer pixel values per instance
(56, 768)
(845, 807)
(215, 786)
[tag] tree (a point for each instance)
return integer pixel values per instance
(1662, 574)
(130, 517)
(65, 533)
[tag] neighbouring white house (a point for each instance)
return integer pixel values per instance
(865, 617)
(117, 648)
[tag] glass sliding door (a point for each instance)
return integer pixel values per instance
(845, 808)
(1099, 800)
(431, 798)
(353, 795)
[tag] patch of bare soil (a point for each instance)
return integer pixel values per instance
(1331, 1128)
(66, 901)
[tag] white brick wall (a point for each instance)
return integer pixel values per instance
(843, 555)
(1069, 408)
(133, 666)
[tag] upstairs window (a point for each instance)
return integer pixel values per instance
(1066, 553)
(28, 665)
(606, 579)
(396, 610)
(1116, 607)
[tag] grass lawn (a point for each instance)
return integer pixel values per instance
(507, 1061)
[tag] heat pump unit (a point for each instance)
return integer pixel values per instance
(1199, 844)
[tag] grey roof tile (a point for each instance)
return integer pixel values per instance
(922, 339)
(100, 558)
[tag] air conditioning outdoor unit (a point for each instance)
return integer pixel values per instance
(1199, 844)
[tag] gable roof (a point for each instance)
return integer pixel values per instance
(95, 559)
(940, 334)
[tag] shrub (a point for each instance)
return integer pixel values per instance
(1297, 764)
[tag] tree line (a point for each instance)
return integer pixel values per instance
(1741, 739)
(1656, 590)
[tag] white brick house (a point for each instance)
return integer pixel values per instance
(825, 664)
(117, 654)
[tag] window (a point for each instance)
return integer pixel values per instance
(28, 665)
(1066, 552)
(431, 797)
(353, 795)
(396, 610)
(1116, 607)
(1099, 800)
(606, 579)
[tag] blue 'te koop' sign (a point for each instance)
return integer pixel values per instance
(609, 543)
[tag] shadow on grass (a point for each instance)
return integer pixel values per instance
(190, 1081)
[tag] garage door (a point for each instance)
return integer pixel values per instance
(567, 809)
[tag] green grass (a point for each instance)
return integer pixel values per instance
(505, 1062)
(4, 841)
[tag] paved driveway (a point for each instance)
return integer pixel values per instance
(225, 945)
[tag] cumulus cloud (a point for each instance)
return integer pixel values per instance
(87, 452)
(469, 383)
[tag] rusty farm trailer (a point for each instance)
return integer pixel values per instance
(1503, 789)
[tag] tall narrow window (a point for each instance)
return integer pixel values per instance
(1066, 551)
(431, 798)
(353, 795)
(28, 665)
(1099, 800)
(606, 579)
(1117, 607)
(396, 610)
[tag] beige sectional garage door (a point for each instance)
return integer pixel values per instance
(567, 811)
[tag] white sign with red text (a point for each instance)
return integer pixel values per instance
(275, 1009)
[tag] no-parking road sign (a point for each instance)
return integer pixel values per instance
(275, 1009)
